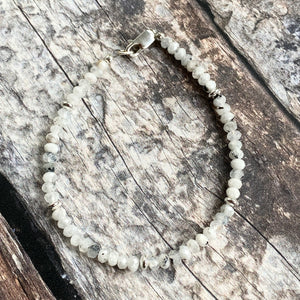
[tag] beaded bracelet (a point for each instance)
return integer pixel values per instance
(81, 239)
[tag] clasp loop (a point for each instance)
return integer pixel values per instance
(143, 41)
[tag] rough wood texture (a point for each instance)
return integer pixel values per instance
(267, 33)
(146, 167)
(18, 277)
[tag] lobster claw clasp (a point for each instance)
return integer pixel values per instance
(143, 41)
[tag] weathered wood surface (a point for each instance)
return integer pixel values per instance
(148, 167)
(267, 34)
(18, 277)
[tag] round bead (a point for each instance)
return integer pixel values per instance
(49, 157)
(191, 65)
(103, 256)
(193, 246)
(230, 126)
(227, 210)
(64, 113)
(180, 53)
(49, 177)
(215, 224)
(222, 110)
(164, 260)
(90, 77)
(48, 187)
(226, 117)
(220, 218)
(73, 99)
(201, 239)
(237, 153)
(93, 251)
(52, 138)
(165, 42)
(51, 197)
(153, 263)
(235, 182)
(56, 129)
(236, 174)
(64, 222)
(75, 239)
(58, 213)
(84, 244)
(203, 78)
(173, 47)
(210, 233)
(232, 193)
(112, 259)
(235, 145)
(237, 164)
(187, 58)
(211, 86)
(69, 230)
(103, 65)
(51, 147)
(122, 262)
(185, 252)
(198, 71)
(133, 263)
(79, 90)
(219, 101)
(96, 71)
(233, 135)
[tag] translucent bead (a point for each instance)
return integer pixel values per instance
(173, 47)
(227, 210)
(216, 224)
(211, 86)
(49, 157)
(75, 239)
(198, 71)
(64, 113)
(90, 77)
(80, 91)
(193, 246)
(192, 65)
(233, 135)
(237, 164)
(226, 117)
(219, 101)
(51, 147)
(236, 174)
(235, 182)
(153, 263)
(51, 197)
(112, 259)
(56, 129)
(103, 255)
(230, 126)
(221, 218)
(96, 71)
(203, 79)
(235, 145)
(210, 233)
(52, 138)
(180, 53)
(84, 244)
(175, 257)
(165, 42)
(222, 110)
(73, 99)
(103, 65)
(49, 167)
(185, 252)
(201, 239)
(70, 230)
(133, 263)
(232, 193)
(58, 213)
(186, 59)
(64, 222)
(49, 177)
(93, 251)
(237, 153)
(122, 262)
(48, 187)
(164, 260)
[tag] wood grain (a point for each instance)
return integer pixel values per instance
(145, 167)
(18, 277)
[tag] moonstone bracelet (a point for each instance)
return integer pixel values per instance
(108, 255)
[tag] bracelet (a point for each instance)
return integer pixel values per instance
(106, 254)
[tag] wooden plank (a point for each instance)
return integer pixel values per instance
(157, 172)
(18, 277)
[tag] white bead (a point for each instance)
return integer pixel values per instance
(185, 252)
(153, 263)
(58, 213)
(232, 193)
(220, 218)
(165, 42)
(192, 65)
(103, 65)
(226, 117)
(93, 251)
(51, 147)
(233, 135)
(69, 230)
(73, 99)
(227, 210)
(133, 263)
(237, 164)
(64, 222)
(173, 47)
(56, 129)
(222, 110)
(75, 239)
(237, 153)
(210, 233)
(112, 259)
(52, 138)
(236, 174)
(80, 91)
(48, 187)
(51, 197)
(235, 145)
(122, 262)
(203, 79)
(49, 177)
(193, 246)
(96, 71)
(215, 225)
(201, 239)
(90, 77)
(64, 113)
(103, 255)
(211, 86)
(198, 71)
(176, 258)
(84, 244)
(49, 157)
(186, 59)
(235, 182)
(180, 53)
(219, 101)
(230, 126)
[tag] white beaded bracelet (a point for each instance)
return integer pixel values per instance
(80, 239)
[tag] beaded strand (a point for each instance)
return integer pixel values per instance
(110, 256)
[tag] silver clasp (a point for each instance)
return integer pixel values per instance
(143, 41)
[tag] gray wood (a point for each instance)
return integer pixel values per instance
(146, 167)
